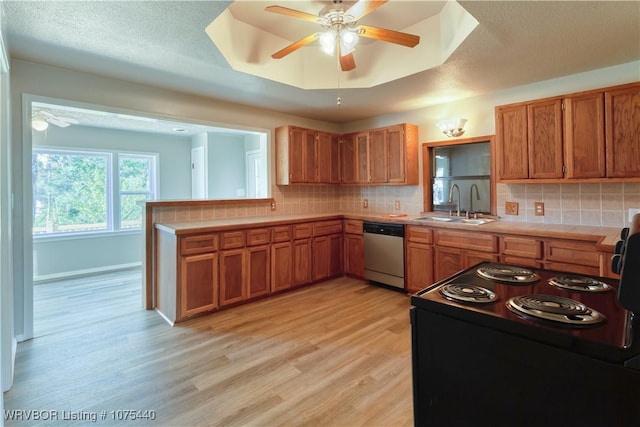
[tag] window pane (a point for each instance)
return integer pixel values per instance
(134, 173)
(69, 192)
(130, 211)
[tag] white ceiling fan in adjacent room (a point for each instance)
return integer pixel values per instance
(41, 119)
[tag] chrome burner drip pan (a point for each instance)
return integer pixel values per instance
(579, 283)
(507, 273)
(555, 309)
(462, 292)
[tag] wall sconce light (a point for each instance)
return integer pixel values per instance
(452, 127)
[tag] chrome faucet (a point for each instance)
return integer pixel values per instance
(451, 196)
(471, 197)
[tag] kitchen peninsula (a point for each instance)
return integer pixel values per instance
(203, 266)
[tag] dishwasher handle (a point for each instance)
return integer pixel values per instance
(385, 228)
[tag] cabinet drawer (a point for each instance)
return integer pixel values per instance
(419, 234)
(259, 236)
(198, 244)
(281, 233)
(572, 268)
(302, 231)
(232, 240)
(567, 251)
(520, 262)
(352, 226)
(327, 227)
(523, 247)
(467, 240)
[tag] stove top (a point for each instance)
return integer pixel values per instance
(545, 304)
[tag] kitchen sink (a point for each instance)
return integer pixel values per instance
(461, 220)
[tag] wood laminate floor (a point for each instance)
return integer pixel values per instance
(332, 354)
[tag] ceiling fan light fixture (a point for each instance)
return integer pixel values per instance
(39, 124)
(348, 41)
(452, 127)
(328, 41)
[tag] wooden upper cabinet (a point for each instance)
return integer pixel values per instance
(544, 139)
(362, 157)
(401, 158)
(378, 156)
(584, 135)
(511, 134)
(348, 160)
(306, 156)
(622, 112)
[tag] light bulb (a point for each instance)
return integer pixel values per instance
(348, 42)
(328, 41)
(39, 124)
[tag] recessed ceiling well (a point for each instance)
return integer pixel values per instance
(247, 35)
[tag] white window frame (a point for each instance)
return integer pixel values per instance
(113, 191)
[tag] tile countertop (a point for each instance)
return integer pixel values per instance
(606, 237)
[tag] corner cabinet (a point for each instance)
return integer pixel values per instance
(590, 135)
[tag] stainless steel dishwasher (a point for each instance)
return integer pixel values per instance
(384, 253)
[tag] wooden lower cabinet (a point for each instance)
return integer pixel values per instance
(281, 266)
(301, 262)
(327, 256)
(258, 271)
(336, 255)
(448, 261)
(232, 276)
(419, 266)
(354, 255)
(198, 284)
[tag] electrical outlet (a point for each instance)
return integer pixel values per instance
(511, 208)
(632, 212)
(365, 203)
(273, 205)
(539, 208)
(397, 205)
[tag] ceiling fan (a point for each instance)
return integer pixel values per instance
(41, 119)
(341, 30)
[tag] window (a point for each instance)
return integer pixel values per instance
(75, 191)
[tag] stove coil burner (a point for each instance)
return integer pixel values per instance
(556, 309)
(462, 292)
(579, 283)
(507, 273)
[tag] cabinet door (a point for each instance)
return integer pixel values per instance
(320, 257)
(362, 157)
(447, 262)
(354, 255)
(584, 136)
(544, 121)
(397, 154)
(301, 261)
(335, 255)
(258, 278)
(378, 156)
(310, 160)
(297, 141)
(335, 159)
(281, 267)
(232, 277)
(325, 152)
(198, 284)
(511, 134)
(348, 160)
(622, 113)
(419, 266)
(472, 258)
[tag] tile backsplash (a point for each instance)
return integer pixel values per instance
(599, 204)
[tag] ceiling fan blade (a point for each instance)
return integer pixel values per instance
(364, 7)
(57, 122)
(347, 62)
(295, 46)
(404, 39)
(292, 12)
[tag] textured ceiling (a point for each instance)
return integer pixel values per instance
(164, 44)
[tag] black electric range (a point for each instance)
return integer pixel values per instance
(499, 344)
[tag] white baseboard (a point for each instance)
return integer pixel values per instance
(85, 272)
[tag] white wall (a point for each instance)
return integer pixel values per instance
(46, 81)
(227, 169)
